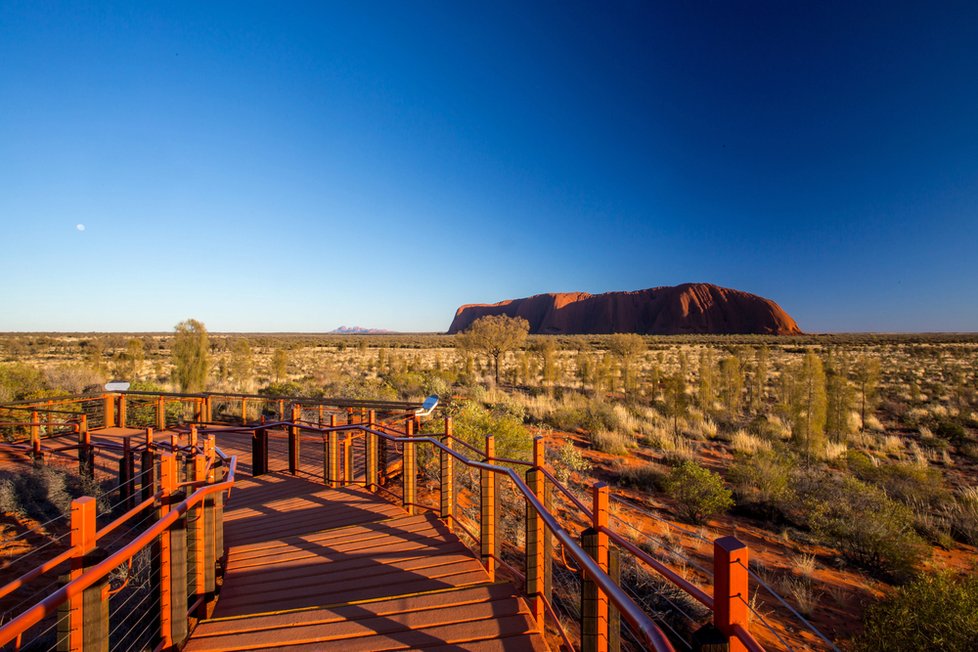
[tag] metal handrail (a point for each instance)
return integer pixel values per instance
(638, 619)
(20, 624)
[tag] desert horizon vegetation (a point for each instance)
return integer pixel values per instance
(849, 460)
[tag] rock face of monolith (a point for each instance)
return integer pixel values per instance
(691, 308)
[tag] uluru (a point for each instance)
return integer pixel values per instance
(690, 308)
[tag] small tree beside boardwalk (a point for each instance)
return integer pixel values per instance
(494, 335)
(190, 356)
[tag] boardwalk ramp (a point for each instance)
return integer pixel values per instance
(315, 568)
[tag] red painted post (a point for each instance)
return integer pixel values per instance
(160, 413)
(83, 544)
(35, 437)
(536, 532)
(126, 473)
(173, 562)
(108, 410)
(487, 520)
(594, 611)
(409, 471)
(730, 590)
(332, 455)
(147, 467)
(294, 440)
(370, 455)
(86, 454)
(206, 417)
(198, 539)
(121, 414)
(447, 477)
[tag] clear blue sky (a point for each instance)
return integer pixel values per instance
(290, 167)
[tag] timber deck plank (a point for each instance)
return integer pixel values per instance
(314, 568)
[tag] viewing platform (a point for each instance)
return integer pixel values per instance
(253, 523)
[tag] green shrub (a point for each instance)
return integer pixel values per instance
(934, 612)
(568, 459)
(643, 477)
(952, 431)
(764, 481)
(700, 493)
(595, 417)
(473, 422)
(871, 529)
(611, 442)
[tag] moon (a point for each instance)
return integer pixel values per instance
(80, 227)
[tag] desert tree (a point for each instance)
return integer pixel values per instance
(839, 397)
(731, 384)
(242, 365)
(706, 387)
(191, 352)
(280, 365)
(867, 377)
(757, 380)
(807, 404)
(547, 350)
(134, 356)
(583, 365)
(676, 400)
(627, 347)
(495, 335)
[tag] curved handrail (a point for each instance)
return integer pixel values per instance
(638, 619)
(21, 623)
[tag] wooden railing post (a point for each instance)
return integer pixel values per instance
(730, 590)
(409, 470)
(259, 452)
(206, 416)
(382, 461)
(348, 449)
(594, 601)
(197, 542)
(121, 412)
(370, 454)
(87, 627)
(108, 410)
(244, 411)
(172, 561)
(614, 615)
(86, 453)
(281, 409)
(127, 472)
(294, 439)
(147, 467)
(212, 526)
(36, 437)
(332, 455)
(447, 477)
(160, 413)
(537, 565)
(487, 520)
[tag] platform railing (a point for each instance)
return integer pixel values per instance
(180, 541)
(379, 450)
(602, 600)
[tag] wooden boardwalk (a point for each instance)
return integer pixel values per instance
(312, 568)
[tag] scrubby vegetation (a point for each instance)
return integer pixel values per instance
(860, 451)
(934, 612)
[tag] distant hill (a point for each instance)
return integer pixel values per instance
(691, 308)
(359, 330)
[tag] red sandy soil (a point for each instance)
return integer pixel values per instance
(843, 592)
